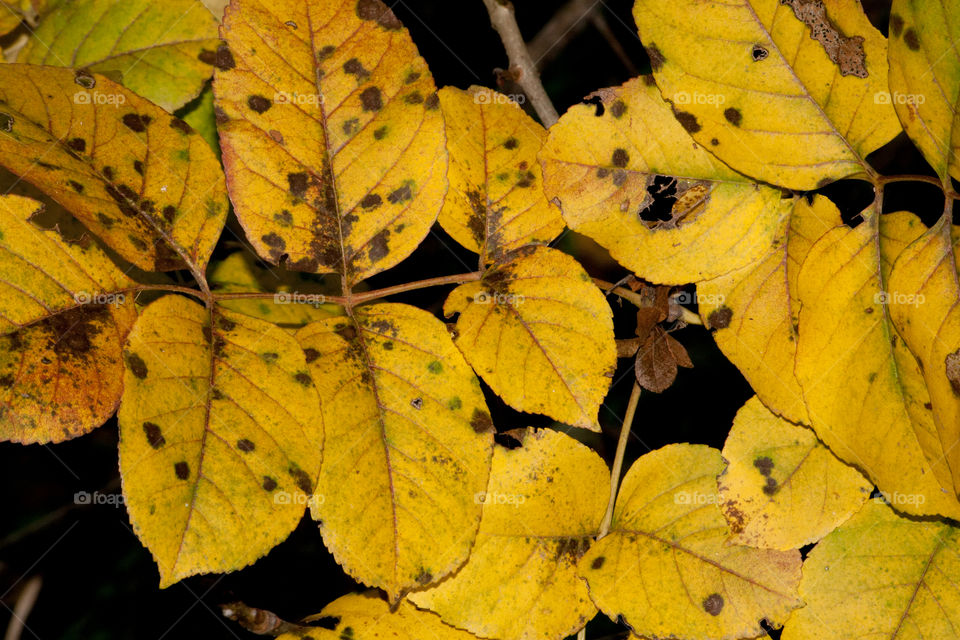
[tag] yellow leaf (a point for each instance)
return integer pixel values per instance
(881, 575)
(754, 310)
(137, 177)
(847, 341)
(782, 488)
(407, 449)
(784, 91)
(64, 314)
(220, 436)
(163, 51)
(297, 301)
(667, 566)
(540, 333)
(366, 616)
(495, 203)
(922, 295)
(545, 500)
(332, 134)
(607, 186)
(925, 79)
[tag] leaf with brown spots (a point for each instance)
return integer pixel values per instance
(335, 121)
(151, 191)
(64, 313)
(297, 300)
(541, 509)
(495, 203)
(804, 112)
(641, 187)
(409, 433)
(220, 437)
(657, 360)
(782, 487)
(160, 50)
(925, 79)
(540, 333)
(669, 568)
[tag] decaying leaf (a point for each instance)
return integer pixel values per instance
(544, 502)
(782, 488)
(495, 203)
(65, 310)
(667, 566)
(657, 360)
(881, 575)
(332, 134)
(784, 91)
(663, 206)
(163, 51)
(407, 448)
(140, 179)
(220, 436)
(540, 333)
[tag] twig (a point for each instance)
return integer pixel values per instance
(636, 300)
(25, 601)
(618, 459)
(560, 29)
(261, 621)
(526, 75)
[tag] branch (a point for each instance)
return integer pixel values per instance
(261, 621)
(526, 75)
(618, 459)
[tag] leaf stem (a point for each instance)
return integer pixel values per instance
(618, 459)
(634, 298)
(504, 20)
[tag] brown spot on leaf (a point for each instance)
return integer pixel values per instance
(620, 157)
(378, 245)
(770, 488)
(911, 39)
(688, 121)
(602, 172)
(511, 143)
(656, 57)
(182, 469)
(380, 132)
(6, 122)
(353, 66)
(303, 378)
(77, 144)
(425, 577)
(598, 562)
(224, 58)
(896, 25)
(377, 11)
(764, 465)
(371, 99)
(733, 116)
(181, 126)
(618, 108)
(76, 186)
(154, 435)
(414, 97)
(432, 101)
(347, 332)
(526, 180)
(952, 364)
(298, 184)
(713, 604)
(481, 422)
(400, 195)
(416, 403)
(302, 479)
(269, 484)
(245, 445)
(136, 365)
(720, 318)
(138, 166)
(259, 103)
(412, 77)
(845, 52)
(371, 201)
(136, 122)
(758, 53)
(84, 78)
(311, 354)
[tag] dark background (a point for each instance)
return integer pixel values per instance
(100, 582)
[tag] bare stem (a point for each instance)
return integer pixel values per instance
(505, 22)
(634, 298)
(618, 459)
(261, 621)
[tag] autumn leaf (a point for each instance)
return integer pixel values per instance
(540, 333)
(922, 297)
(544, 502)
(667, 566)
(881, 575)
(332, 135)
(641, 187)
(782, 489)
(785, 92)
(163, 51)
(495, 202)
(754, 311)
(137, 177)
(366, 616)
(220, 436)
(880, 422)
(925, 79)
(657, 360)
(64, 314)
(297, 301)
(407, 449)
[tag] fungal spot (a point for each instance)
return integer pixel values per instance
(371, 100)
(302, 479)
(845, 52)
(245, 445)
(656, 57)
(770, 488)
(432, 101)
(347, 332)
(413, 98)
(417, 403)
(758, 53)
(76, 186)
(400, 195)
(618, 108)
(351, 126)
(620, 158)
(720, 318)
(276, 136)
(371, 201)
(952, 365)
(454, 403)
(733, 116)
(77, 144)
(224, 59)
(481, 422)
(714, 141)
(311, 354)
(220, 115)
(298, 184)
(108, 172)
(169, 213)
(6, 381)
(291, 24)
(526, 180)
(388, 346)
(378, 245)
(377, 11)
(928, 406)
(226, 324)
(346, 634)
(105, 220)
(911, 39)
(511, 143)
(285, 218)
(6, 122)
(425, 577)
(380, 132)
(354, 67)
(435, 367)
(688, 121)
(259, 103)
(598, 562)
(713, 604)
(154, 435)
(619, 177)
(412, 77)
(275, 242)
(136, 122)
(602, 173)
(182, 469)
(896, 25)
(303, 378)
(269, 484)
(138, 166)
(136, 365)
(764, 465)
(84, 78)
